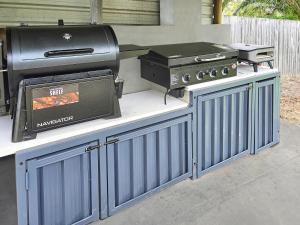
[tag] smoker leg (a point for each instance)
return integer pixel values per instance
(270, 64)
(255, 67)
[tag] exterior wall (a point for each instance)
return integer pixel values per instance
(148, 12)
(207, 11)
(44, 12)
(113, 11)
(130, 12)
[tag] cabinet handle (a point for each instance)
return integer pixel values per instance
(93, 147)
(113, 141)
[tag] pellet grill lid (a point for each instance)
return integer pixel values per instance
(50, 50)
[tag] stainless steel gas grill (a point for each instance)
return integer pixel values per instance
(61, 75)
(178, 65)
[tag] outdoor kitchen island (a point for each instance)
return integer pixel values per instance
(80, 173)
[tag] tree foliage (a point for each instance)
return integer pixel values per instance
(277, 9)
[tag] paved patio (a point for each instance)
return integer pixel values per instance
(263, 189)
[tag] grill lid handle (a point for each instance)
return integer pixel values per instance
(68, 52)
(198, 59)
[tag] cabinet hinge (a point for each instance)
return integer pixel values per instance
(250, 85)
(26, 180)
(93, 147)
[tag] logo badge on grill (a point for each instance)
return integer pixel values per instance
(67, 36)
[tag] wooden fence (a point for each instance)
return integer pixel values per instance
(284, 35)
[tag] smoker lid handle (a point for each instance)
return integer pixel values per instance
(198, 59)
(68, 52)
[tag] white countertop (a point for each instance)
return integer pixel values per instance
(244, 72)
(134, 107)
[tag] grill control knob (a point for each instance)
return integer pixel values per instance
(200, 75)
(213, 73)
(225, 71)
(186, 78)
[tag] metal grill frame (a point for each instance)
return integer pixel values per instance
(259, 125)
(22, 158)
(230, 127)
(89, 195)
(252, 82)
(113, 160)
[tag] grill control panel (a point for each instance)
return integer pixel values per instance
(198, 73)
(182, 75)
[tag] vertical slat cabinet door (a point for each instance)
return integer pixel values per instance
(266, 116)
(63, 188)
(223, 126)
(146, 160)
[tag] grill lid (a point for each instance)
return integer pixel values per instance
(189, 53)
(58, 43)
(39, 51)
(36, 50)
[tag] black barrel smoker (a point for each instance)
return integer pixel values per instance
(61, 75)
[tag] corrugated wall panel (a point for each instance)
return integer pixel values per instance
(44, 12)
(223, 126)
(60, 188)
(143, 161)
(131, 12)
(206, 11)
(264, 114)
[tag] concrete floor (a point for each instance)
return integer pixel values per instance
(255, 190)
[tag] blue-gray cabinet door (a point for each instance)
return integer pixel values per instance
(266, 131)
(144, 161)
(63, 188)
(223, 126)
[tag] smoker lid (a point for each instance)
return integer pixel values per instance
(188, 53)
(61, 39)
(38, 51)
(50, 46)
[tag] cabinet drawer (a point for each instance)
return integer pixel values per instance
(62, 188)
(223, 126)
(147, 160)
